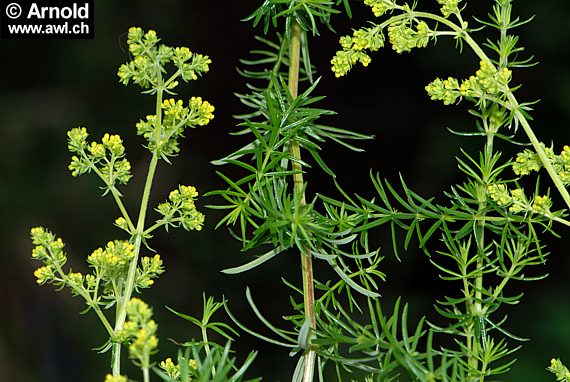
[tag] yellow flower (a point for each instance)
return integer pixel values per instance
(43, 274)
(119, 378)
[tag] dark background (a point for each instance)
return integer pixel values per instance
(50, 86)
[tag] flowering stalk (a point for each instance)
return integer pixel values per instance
(372, 39)
(138, 237)
(483, 212)
(118, 269)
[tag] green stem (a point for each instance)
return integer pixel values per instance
(205, 339)
(512, 105)
(116, 194)
(146, 374)
(121, 206)
(156, 226)
(207, 345)
(298, 181)
(478, 309)
(88, 299)
(539, 149)
(138, 236)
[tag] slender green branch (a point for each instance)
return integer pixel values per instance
(116, 268)
(146, 373)
(477, 308)
(121, 316)
(512, 105)
(124, 213)
(461, 33)
(90, 301)
(157, 225)
(307, 262)
(172, 78)
(116, 194)
(129, 286)
(539, 149)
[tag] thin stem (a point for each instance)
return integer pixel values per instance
(512, 105)
(539, 149)
(157, 225)
(146, 374)
(298, 182)
(207, 345)
(121, 206)
(116, 194)
(138, 235)
(478, 309)
(205, 339)
(88, 299)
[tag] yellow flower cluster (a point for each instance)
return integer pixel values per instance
(443, 90)
(404, 38)
(500, 194)
(114, 144)
(181, 209)
(564, 171)
(44, 274)
(183, 53)
(517, 201)
(148, 65)
(141, 330)
(145, 340)
(448, 7)
(77, 139)
(565, 155)
(174, 108)
(97, 150)
(107, 156)
(486, 81)
(173, 370)
(541, 204)
(121, 222)
(526, 162)
(75, 278)
(138, 40)
(176, 118)
(118, 378)
(49, 250)
(203, 109)
(151, 268)
(184, 194)
(354, 49)
(558, 368)
(112, 261)
(379, 7)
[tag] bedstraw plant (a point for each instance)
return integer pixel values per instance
(481, 235)
(120, 269)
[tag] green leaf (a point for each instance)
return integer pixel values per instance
(255, 263)
(350, 282)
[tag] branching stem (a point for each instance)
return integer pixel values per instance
(294, 147)
(512, 105)
(138, 238)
